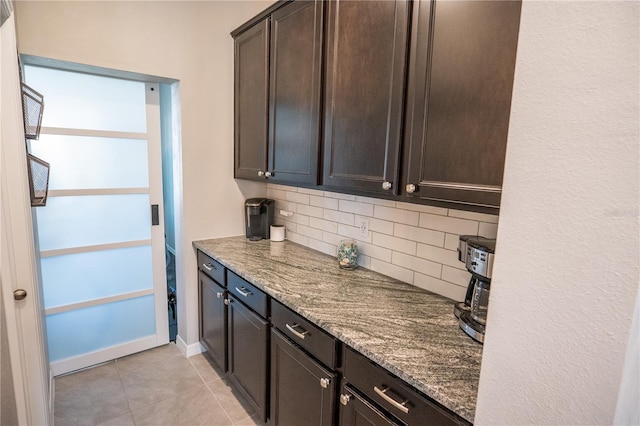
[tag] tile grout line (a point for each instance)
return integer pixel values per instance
(216, 398)
(124, 390)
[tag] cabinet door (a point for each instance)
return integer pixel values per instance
(364, 94)
(251, 101)
(459, 100)
(302, 391)
(248, 346)
(294, 119)
(355, 410)
(213, 320)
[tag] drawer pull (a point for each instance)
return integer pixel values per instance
(209, 267)
(344, 399)
(399, 405)
(243, 291)
(291, 328)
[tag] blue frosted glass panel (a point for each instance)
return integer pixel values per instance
(68, 222)
(87, 330)
(80, 277)
(82, 101)
(86, 162)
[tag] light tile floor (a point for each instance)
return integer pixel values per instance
(156, 387)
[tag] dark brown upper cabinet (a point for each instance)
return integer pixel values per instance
(278, 76)
(365, 69)
(458, 101)
(251, 100)
(294, 108)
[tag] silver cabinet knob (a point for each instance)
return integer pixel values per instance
(219, 294)
(260, 173)
(411, 188)
(268, 174)
(227, 301)
(344, 399)
(386, 185)
(324, 382)
(20, 294)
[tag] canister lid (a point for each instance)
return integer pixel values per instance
(484, 244)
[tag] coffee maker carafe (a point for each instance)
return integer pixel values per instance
(258, 215)
(477, 254)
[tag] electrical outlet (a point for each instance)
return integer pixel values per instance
(364, 227)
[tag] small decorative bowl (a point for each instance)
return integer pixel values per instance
(348, 254)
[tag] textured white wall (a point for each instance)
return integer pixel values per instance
(566, 274)
(187, 41)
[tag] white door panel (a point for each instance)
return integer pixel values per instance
(103, 262)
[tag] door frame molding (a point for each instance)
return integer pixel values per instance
(25, 319)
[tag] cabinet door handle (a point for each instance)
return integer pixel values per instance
(386, 185)
(209, 267)
(219, 294)
(399, 405)
(344, 399)
(268, 174)
(243, 291)
(227, 301)
(411, 188)
(260, 173)
(291, 328)
(324, 382)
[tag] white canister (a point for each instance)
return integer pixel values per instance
(277, 232)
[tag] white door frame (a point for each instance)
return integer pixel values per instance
(29, 364)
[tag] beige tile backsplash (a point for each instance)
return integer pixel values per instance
(410, 242)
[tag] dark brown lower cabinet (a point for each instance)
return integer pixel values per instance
(213, 319)
(303, 392)
(248, 346)
(357, 411)
(392, 396)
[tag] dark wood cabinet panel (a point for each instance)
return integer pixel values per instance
(459, 100)
(248, 354)
(355, 410)
(211, 268)
(314, 340)
(250, 295)
(393, 395)
(295, 77)
(213, 320)
(303, 392)
(365, 71)
(251, 100)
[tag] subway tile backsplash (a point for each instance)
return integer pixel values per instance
(410, 242)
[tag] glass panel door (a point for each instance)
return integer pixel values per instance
(102, 260)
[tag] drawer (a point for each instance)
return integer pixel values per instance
(247, 293)
(393, 394)
(213, 269)
(309, 336)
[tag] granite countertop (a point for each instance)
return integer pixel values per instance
(409, 331)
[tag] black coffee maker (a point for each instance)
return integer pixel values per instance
(477, 255)
(258, 214)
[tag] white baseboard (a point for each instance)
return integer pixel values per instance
(103, 355)
(189, 350)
